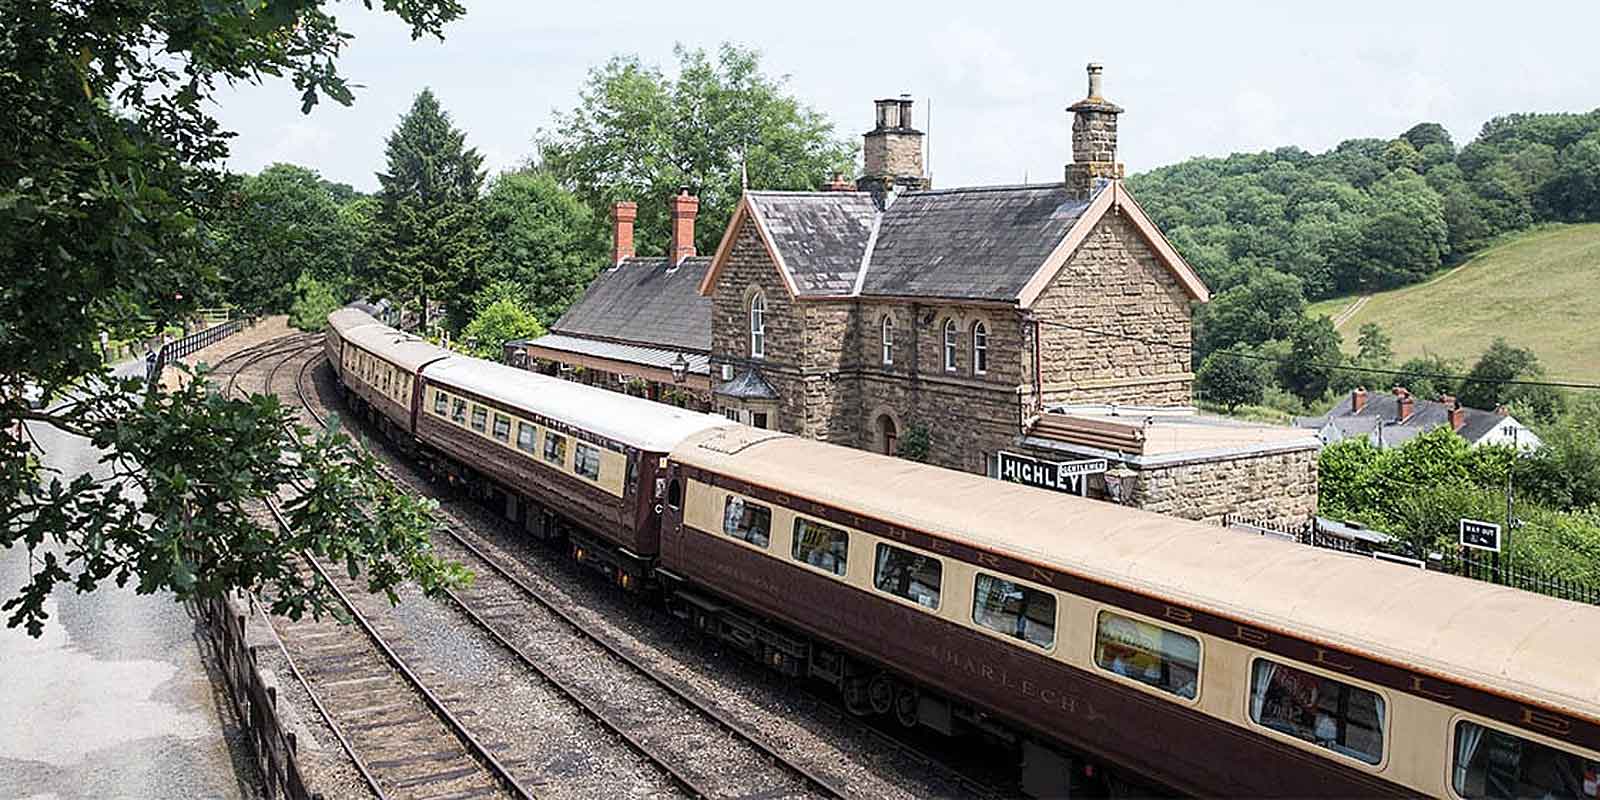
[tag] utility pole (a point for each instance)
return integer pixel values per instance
(1510, 466)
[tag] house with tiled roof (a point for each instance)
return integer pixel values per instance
(642, 325)
(1394, 418)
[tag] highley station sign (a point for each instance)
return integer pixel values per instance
(1059, 476)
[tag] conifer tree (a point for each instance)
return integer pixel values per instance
(430, 235)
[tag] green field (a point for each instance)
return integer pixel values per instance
(1540, 290)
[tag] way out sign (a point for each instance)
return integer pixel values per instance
(1480, 535)
(1060, 476)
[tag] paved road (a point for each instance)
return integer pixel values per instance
(113, 701)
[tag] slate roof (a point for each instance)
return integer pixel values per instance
(821, 236)
(1425, 416)
(981, 243)
(748, 385)
(643, 302)
(699, 363)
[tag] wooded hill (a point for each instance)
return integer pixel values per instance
(1373, 214)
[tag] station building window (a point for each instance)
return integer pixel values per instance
(480, 418)
(502, 427)
(888, 339)
(758, 326)
(950, 338)
(1149, 654)
(1329, 713)
(747, 521)
(1493, 763)
(441, 403)
(586, 461)
(907, 574)
(980, 349)
(1018, 611)
(822, 546)
(555, 448)
(525, 437)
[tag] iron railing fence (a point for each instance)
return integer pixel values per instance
(156, 361)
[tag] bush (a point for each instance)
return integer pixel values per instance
(502, 321)
(313, 302)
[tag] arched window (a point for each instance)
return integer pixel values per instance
(980, 348)
(758, 326)
(888, 339)
(950, 336)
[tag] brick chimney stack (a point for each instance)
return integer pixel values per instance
(891, 153)
(1358, 399)
(1406, 403)
(1094, 139)
(623, 213)
(1452, 406)
(684, 206)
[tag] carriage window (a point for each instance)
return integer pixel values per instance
(903, 573)
(1332, 714)
(1149, 654)
(1015, 610)
(675, 494)
(822, 546)
(441, 403)
(458, 411)
(745, 520)
(587, 461)
(502, 427)
(480, 418)
(1492, 763)
(525, 435)
(555, 447)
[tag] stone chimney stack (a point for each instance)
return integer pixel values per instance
(623, 213)
(891, 153)
(1094, 140)
(684, 206)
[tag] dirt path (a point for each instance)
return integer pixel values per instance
(1350, 311)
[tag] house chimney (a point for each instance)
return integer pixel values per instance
(623, 213)
(684, 206)
(1405, 405)
(839, 184)
(891, 153)
(1094, 140)
(1458, 415)
(1502, 411)
(1358, 399)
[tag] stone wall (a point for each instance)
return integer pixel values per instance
(1277, 488)
(750, 269)
(1115, 283)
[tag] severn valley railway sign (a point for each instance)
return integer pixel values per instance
(1060, 476)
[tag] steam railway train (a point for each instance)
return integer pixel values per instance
(1111, 648)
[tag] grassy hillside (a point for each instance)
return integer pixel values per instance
(1540, 290)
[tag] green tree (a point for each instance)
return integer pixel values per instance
(1229, 378)
(1429, 375)
(109, 160)
(313, 302)
(543, 241)
(430, 238)
(281, 223)
(639, 135)
(1375, 347)
(1486, 385)
(1405, 238)
(1313, 358)
(1267, 306)
(501, 322)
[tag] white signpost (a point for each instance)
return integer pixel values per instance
(1480, 535)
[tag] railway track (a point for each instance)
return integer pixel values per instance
(400, 736)
(664, 720)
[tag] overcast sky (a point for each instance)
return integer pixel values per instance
(1195, 78)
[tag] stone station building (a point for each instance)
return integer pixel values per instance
(983, 328)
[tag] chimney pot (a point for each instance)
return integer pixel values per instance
(684, 207)
(623, 213)
(1094, 78)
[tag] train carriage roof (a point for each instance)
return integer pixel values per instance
(1503, 639)
(405, 350)
(634, 421)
